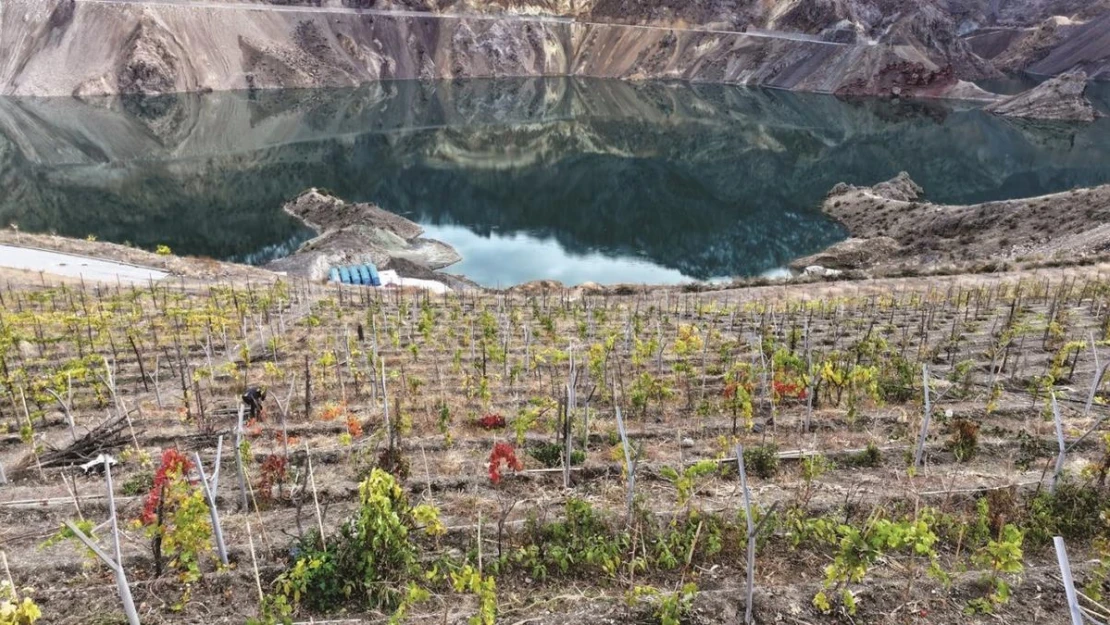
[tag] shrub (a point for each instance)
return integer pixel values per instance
(1030, 449)
(550, 455)
(686, 482)
(580, 544)
(870, 458)
(273, 472)
(392, 461)
(491, 422)
(502, 452)
(138, 484)
(163, 250)
(762, 461)
(176, 517)
(1072, 511)
(372, 561)
(482, 586)
(668, 608)
(354, 427)
(965, 439)
(999, 558)
(785, 389)
(13, 611)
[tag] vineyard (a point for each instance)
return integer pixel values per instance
(910, 451)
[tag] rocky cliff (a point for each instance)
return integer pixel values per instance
(1062, 98)
(1066, 225)
(867, 47)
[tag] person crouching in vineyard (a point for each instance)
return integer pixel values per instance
(253, 398)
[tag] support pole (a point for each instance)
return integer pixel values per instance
(920, 453)
(315, 499)
(1060, 439)
(245, 500)
(114, 563)
(210, 489)
(1069, 583)
(629, 462)
(750, 590)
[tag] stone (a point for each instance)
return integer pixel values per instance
(1062, 99)
(850, 254)
(821, 272)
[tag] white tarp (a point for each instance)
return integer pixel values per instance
(91, 269)
(390, 278)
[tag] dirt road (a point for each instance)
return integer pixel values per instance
(70, 265)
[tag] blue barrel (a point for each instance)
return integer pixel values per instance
(375, 279)
(344, 275)
(333, 275)
(364, 275)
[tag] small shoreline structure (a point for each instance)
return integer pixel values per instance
(352, 234)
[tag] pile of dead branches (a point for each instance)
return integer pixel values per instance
(104, 438)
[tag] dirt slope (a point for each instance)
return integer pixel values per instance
(1063, 225)
(1087, 47)
(48, 47)
(1062, 98)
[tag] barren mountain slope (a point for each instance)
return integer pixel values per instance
(864, 47)
(1068, 225)
(1061, 98)
(62, 47)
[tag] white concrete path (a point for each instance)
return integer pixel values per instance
(91, 269)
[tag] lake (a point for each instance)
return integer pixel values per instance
(570, 179)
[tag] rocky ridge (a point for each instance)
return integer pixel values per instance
(1062, 226)
(865, 47)
(358, 233)
(1062, 98)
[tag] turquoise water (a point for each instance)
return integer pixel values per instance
(576, 180)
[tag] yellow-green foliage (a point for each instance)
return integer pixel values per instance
(468, 579)
(16, 611)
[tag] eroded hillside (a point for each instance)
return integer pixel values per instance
(869, 47)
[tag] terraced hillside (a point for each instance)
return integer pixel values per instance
(385, 408)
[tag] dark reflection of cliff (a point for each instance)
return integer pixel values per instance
(708, 180)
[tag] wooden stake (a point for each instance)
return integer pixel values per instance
(34, 452)
(157, 391)
(315, 499)
(66, 410)
(1060, 439)
(120, 407)
(750, 588)
(8, 573)
(244, 501)
(307, 390)
(385, 405)
(919, 454)
(629, 462)
(254, 563)
(1100, 372)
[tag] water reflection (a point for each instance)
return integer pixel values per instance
(575, 179)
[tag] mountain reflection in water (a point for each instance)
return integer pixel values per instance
(532, 178)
